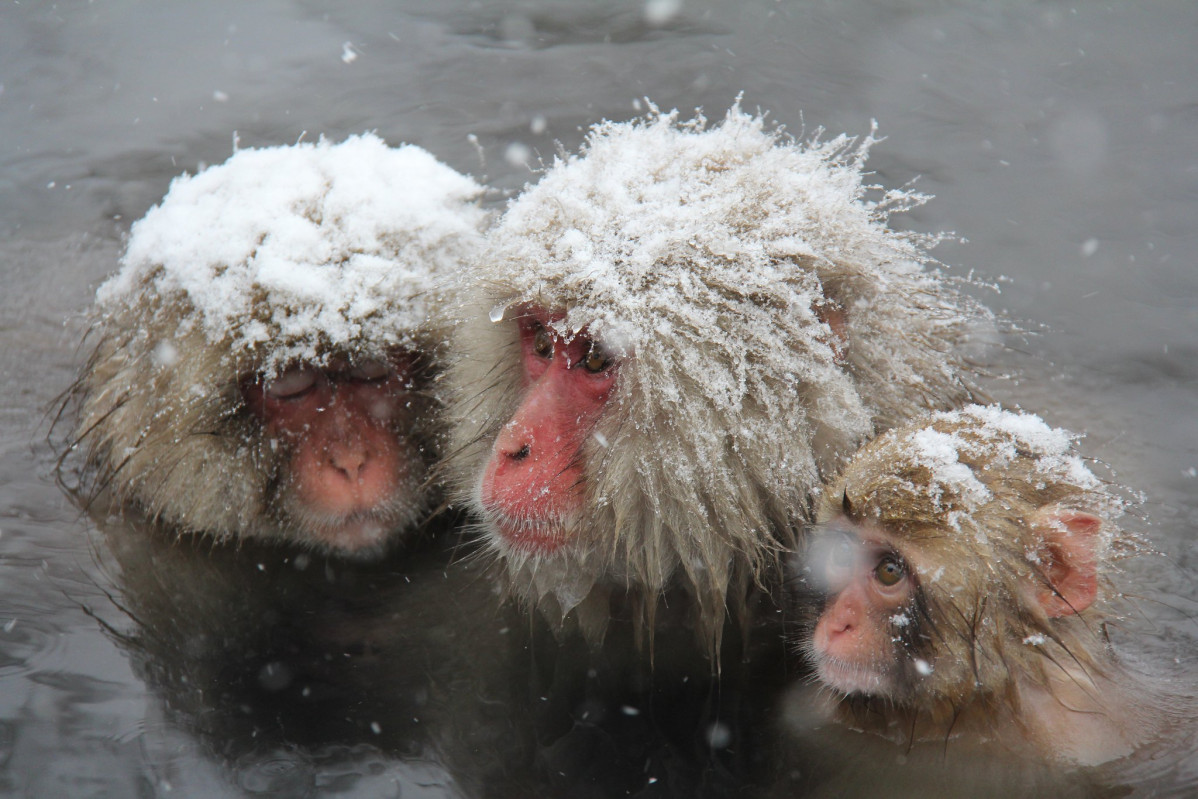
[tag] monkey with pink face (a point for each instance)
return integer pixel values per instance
(958, 589)
(674, 336)
(263, 356)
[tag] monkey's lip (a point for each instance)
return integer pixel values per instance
(850, 677)
(535, 536)
(352, 533)
(359, 532)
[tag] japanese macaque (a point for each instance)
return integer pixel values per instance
(965, 562)
(675, 334)
(264, 352)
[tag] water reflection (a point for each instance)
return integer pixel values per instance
(294, 675)
(517, 25)
(295, 671)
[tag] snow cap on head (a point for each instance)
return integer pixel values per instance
(738, 238)
(964, 466)
(298, 249)
(729, 202)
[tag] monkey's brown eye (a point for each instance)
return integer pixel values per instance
(596, 360)
(890, 571)
(542, 342)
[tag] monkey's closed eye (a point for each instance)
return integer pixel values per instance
(542, 342)
(890, 571)
(292, 384)
(371, 371)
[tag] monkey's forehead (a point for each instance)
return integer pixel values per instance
(331, 242)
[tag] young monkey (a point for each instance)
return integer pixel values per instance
(962, 560)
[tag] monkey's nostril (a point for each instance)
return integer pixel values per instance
(521, 453)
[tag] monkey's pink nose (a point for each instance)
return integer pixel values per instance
(348, 461)
(842, 615)
(515, 441)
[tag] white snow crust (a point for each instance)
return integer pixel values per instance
(664, 230)
(291, 248)
(940, 453)
(1004, 435)
(725, 199)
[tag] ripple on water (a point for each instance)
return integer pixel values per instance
(338, 770)
(27, 646)
(277, 773)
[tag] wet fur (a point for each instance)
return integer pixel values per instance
(175, 440)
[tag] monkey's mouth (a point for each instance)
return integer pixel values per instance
(356, 531)
(530, 535)
(853, 677)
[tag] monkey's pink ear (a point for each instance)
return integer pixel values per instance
(1069, 557)
(837, 321)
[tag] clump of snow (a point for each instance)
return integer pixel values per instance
(953, 443)
(939, 453)
(298, 248)
(1051, 446)
(728, 202)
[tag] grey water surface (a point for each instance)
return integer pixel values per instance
(1060, 141)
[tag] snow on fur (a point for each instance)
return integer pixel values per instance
(662, 228)
(998, 437)
(302, 248)
(969, 462)
(281, 254)
(705, 257)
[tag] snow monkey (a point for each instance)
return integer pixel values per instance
(675, 333)
(264, 350)
(965, 562)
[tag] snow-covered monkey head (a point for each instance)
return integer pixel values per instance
(676, 334)
(263, 352)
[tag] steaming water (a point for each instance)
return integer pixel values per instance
(1060, 140)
